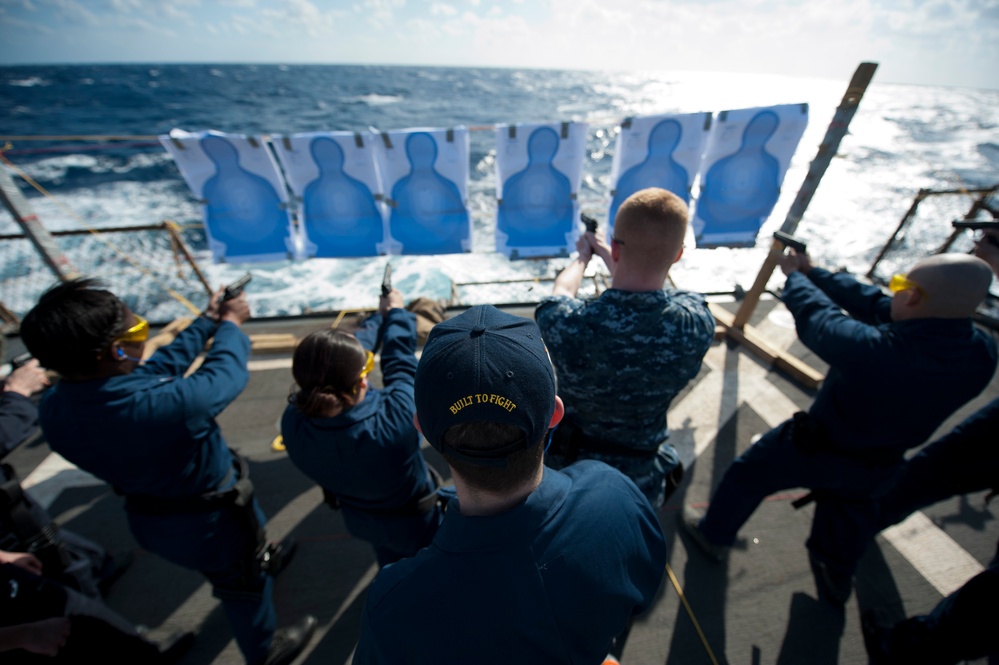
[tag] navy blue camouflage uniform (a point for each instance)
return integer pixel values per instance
(620, 360)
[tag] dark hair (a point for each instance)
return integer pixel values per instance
(326, 366)
(72, 324)
(521, 465)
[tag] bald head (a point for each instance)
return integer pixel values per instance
(954, 285)
(651, 225)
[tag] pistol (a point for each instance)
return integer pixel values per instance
(236, 288)
(19, 361)
(980, 225)
(976, 225)
(589, 222)
(387, 280)
(789, 240)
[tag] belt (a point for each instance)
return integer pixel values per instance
(415, 507)
(158, 506)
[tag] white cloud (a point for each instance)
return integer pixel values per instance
(74, 12)
(922, 41)
(23, 26)
(380, 13)
(298, 17)
(441, 9)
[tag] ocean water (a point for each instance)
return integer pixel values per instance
(903, 138)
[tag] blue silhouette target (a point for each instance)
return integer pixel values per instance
(428, 214)
(740, 190)
(537, 206)
(341, 217)
(659, 169)
(242, 210)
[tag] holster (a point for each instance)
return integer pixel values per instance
(807, 435)
(239, 497)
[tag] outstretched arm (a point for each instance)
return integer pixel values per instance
(569, 280)
(864, 302)
(602, 249)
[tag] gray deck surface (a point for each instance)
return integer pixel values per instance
(758, 606)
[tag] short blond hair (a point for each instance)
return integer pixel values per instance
(651, 225)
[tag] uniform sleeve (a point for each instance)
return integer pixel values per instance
(18, 419)
(840, 340)
(864, 302)
(370, 331)
(398, 334)
(221, 377)
(696, 326)
(175, 358)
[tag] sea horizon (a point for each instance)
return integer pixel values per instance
(903, 138)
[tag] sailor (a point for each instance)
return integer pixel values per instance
(148, 429)
(25, 526)
(898, 367)
(622, 358)
(965, 460)
(40, 616)
(530, 565)
(358, 442)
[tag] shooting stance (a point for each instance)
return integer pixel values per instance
(149, 431)
(621, 358)
(358, 442)
(899, 365)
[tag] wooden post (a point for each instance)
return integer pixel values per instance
(827, 150)
(172, 228)
(39, 236)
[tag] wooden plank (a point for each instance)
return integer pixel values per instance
(801, 372)
(285, 343)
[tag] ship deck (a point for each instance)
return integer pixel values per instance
(759, 606)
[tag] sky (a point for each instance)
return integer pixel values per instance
(927, 42)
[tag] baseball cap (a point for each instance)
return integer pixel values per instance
(485, 365)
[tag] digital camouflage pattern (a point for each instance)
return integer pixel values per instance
(620, 360)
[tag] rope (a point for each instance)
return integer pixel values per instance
(344, 312)
(92, 137)
(690, 613)
(100, 236)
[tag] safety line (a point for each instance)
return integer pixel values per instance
(690, 613)
(100, 236)
(91, 137)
